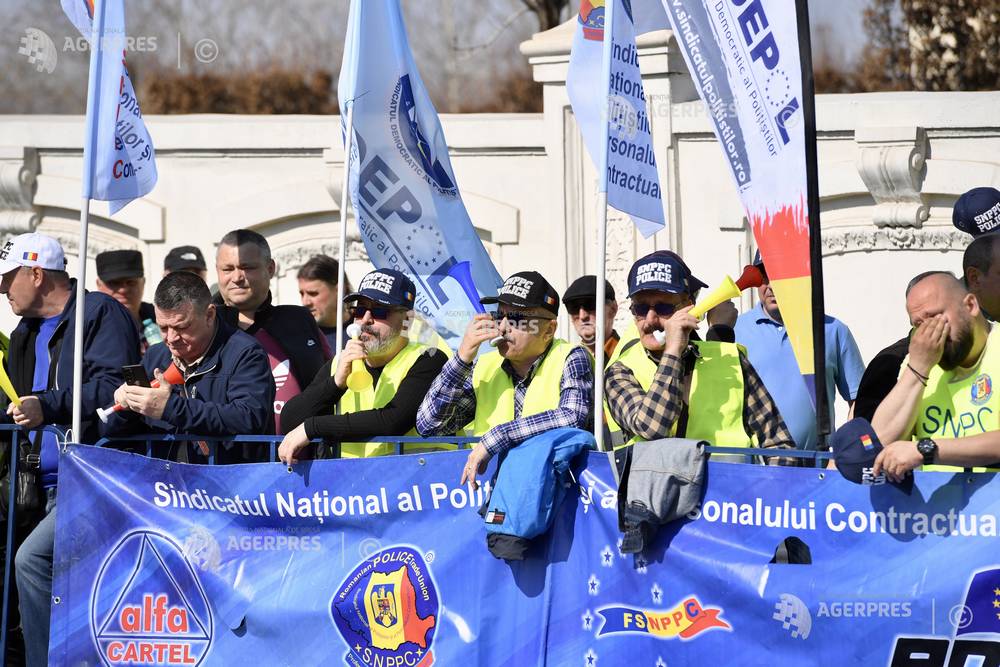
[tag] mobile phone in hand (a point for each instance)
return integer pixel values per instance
(135, 376)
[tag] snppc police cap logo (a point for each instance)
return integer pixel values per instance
(386, 609)
(148, 606)
(982, 389)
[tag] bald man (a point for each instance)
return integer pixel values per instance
(943, 409)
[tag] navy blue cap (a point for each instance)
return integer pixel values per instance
(977, 211)
(855, 446)
(663, 271)
(526, 289)
(386, 286)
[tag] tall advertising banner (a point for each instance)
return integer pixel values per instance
(605, 88)
(744, 59)
(383, 562)
(402, 187)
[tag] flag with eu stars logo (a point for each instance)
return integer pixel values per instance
(401, 183)
(982, 604)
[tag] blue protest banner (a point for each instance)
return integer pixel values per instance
(383, 562)
(403, 190)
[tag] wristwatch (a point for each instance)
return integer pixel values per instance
(928, 449)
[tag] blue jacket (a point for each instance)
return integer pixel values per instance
(529, 486)
(110, 341)
(230, 393)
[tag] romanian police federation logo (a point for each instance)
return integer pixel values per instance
(148, 606)
(386, 609)
(412, 142)
(982, 389)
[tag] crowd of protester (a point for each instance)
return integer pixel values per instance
(236, 363)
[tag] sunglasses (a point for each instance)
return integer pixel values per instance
(589, 305)
(516, 318)
(378, 312)
(661, 309)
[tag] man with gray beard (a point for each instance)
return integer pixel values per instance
(943, 409)
(402, 371)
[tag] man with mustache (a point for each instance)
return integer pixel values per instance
(532, 383)
(943, 409)
(402, 371)
(675, 385)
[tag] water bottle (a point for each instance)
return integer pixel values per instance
(151, 332)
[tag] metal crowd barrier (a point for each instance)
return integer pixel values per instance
(399, 442)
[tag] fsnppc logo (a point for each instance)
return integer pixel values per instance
(793, 614)
(412, 143)
(148, 606)
(386, 609)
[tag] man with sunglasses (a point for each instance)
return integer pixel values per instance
(672, 384)
(580, 300)
(532, 383)
(402, 371)
(762, 332)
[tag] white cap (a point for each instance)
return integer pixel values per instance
(32, 250)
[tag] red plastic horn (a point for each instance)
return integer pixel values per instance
(171, 376)
(751, 277)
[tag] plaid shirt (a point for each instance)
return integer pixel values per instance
(652, 414)
(450, 403)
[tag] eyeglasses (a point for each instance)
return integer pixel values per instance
(515, 317)
(661, 309)
(378, 312)
(589, 305)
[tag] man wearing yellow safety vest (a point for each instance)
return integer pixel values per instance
(944, 410)
(401, 370)
(675, 385)
(532, 383)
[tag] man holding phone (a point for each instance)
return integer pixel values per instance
(227, 386)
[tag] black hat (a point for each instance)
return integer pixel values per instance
(663, 271)
(977, 211)
(526, 289)
(184, 258)
(855, 446)
(386, 286)
(118, 264)
(585, 287)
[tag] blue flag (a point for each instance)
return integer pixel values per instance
(605, 88)
(981, 611)
(119, 159)
(402, 186)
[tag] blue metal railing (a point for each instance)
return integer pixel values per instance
(17, 433)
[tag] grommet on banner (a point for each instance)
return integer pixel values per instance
(289, 468)
(822, 475)
(56, 599)
(421, 461)
(168, 466)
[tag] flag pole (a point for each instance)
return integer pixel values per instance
(345, 201)
(823, 426)
(602, 232)
(89, 151)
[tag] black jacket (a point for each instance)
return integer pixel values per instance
(110, 341)
(295, 330)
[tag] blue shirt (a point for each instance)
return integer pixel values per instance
(770, 353)
(40, 382)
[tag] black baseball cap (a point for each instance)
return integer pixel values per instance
(386, 286)
(184, 258)
(585, 287)
(855, 446)
(662, 271)
(118, 264)
(977, 211)
(526, 289)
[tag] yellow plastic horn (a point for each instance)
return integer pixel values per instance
(724, 292)
(359, 378)
(6, 385)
